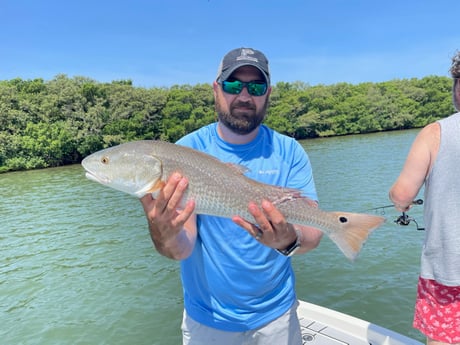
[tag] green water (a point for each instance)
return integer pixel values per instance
(78, 266)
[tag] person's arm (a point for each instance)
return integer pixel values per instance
(310, 239)
(416, 168)
(173, 231)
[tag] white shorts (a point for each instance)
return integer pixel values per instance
(284, 330)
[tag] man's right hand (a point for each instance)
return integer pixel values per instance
(168, 223)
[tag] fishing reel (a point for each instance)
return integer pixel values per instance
(404, 219)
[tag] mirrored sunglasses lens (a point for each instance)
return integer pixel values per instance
(233, 87)
(257, 89)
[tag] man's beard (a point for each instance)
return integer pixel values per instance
(239, 121)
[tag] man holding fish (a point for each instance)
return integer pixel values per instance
(238, 284)
(232, 201)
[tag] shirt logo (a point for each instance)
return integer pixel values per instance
(269, 172)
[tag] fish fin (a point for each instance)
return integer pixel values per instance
(280, 195)
(288, 194)
(156, 186)
(239, 169)
(355, 229)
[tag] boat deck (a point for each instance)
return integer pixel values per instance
(322, 326)
(317, 333)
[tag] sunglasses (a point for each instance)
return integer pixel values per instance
(255, 88)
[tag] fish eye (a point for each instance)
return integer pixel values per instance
(105, 160)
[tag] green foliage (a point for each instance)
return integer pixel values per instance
(58, 122)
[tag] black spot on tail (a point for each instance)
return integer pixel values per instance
(343, 219)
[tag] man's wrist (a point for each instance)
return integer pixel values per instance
(292, 248)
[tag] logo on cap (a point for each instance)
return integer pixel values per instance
(244, 55)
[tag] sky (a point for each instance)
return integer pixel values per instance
(161, 43)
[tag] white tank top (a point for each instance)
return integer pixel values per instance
(441, 251)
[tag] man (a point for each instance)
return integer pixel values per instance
(237, 276)
(434, 160)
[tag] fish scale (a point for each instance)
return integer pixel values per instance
(215, 191)
(219, 189)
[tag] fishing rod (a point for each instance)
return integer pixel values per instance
(404, 219)
(415, 202)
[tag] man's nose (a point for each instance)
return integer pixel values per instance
(244, 93)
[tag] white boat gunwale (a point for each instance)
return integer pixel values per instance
(323, 326)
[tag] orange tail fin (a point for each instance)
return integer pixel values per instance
(354, 232)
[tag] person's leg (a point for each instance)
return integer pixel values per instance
(194, 333)
(434, 342)
(284, 330)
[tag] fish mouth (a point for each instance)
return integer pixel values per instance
(101, 179)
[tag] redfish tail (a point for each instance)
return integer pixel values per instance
(354, 231)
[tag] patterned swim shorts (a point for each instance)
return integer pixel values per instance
(437, 311)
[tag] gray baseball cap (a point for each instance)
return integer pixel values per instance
(243, 57)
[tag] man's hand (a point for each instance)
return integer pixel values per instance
(167, 222)
(274, 231)
(271, 229)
